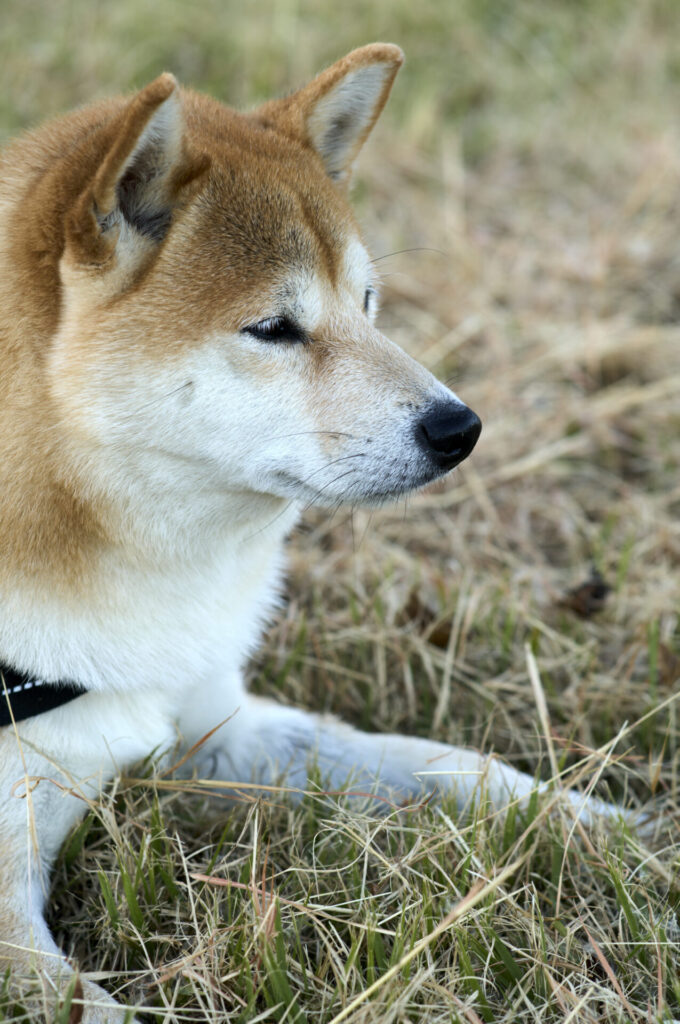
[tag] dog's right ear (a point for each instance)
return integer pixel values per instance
(145, 173)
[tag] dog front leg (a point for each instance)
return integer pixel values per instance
(268, 743)
(50, 769)
(39, 973)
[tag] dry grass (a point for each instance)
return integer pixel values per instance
(530, 167)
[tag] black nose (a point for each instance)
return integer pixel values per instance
(448, 432)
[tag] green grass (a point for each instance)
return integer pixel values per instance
(529, 162)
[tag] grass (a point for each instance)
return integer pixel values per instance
(529, 166)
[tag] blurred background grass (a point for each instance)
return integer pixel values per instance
(489, 67)
(522, 196)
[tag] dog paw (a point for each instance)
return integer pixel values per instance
(46, 997)
(87, 1003)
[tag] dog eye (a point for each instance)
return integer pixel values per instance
(276, 328)
(370, 299)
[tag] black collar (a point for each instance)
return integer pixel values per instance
(29, 696)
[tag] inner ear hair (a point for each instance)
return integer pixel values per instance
(341, 120)
(138, 198)
(139, 181)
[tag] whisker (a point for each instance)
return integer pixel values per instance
(366, 528)
(309, 505)
(305, 433)
(270, 522)
(330, 483)
(416, 248)
(333, 462)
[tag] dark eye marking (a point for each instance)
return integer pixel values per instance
(276, 328)
(369, 299)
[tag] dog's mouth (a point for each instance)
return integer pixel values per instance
(373, 474)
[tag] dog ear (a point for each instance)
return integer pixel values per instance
(126, 209)
(336, 111)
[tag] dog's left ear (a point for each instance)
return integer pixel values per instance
(335, 113)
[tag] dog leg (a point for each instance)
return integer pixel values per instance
(269, 743)
(50, 770)
(39, 973)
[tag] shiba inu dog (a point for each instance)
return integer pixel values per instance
(188, 355)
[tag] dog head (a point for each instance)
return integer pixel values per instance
(218, 304)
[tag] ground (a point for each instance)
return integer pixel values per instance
(522, 198)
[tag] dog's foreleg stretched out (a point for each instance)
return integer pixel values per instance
(271, 744)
